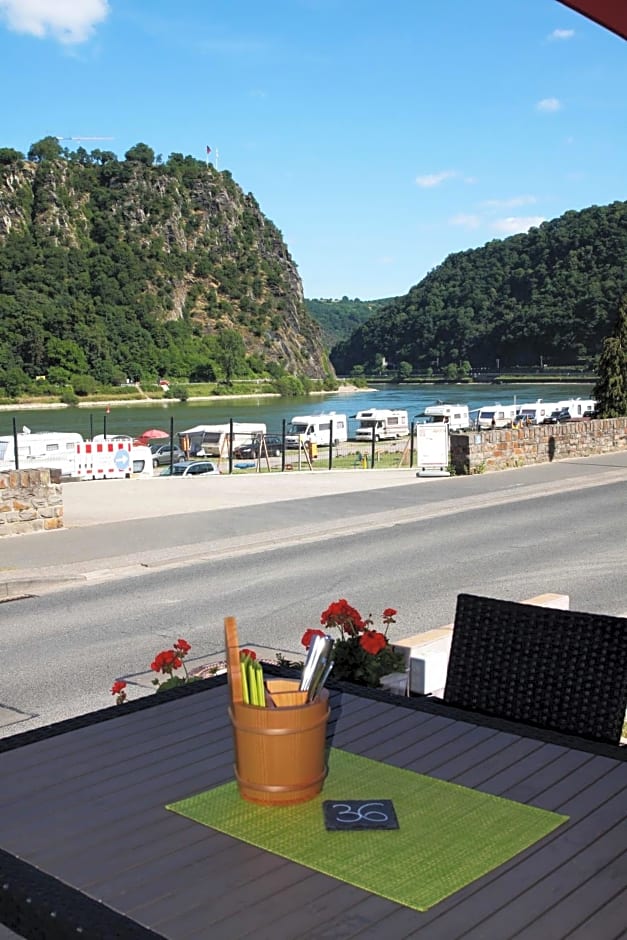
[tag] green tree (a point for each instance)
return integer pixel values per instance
(141, 153)
(231, 354)
(405, 370)
(611, 388)
(9, 155)
(48, 148)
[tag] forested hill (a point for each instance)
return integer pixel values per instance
(143, 268)
(339, 318)
(550, 293)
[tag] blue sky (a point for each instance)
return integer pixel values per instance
(378, 137)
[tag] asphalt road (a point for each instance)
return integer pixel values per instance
(275, 564)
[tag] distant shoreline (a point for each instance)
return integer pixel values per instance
(112, 402)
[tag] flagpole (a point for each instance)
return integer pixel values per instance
(217, 155)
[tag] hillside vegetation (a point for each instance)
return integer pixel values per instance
(138, 269)
(548, 296)
(340, 318)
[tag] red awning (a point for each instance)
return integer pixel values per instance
(609, 13)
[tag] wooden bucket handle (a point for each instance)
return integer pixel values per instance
(234, 672)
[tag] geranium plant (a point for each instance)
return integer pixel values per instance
(167, 663)
(362, 654)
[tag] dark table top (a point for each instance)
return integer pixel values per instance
(85, 840)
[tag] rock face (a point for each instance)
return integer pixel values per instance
(146, 264)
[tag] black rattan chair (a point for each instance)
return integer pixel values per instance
(561, 670)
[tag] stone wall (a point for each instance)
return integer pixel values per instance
(504, 448)
(30, 501)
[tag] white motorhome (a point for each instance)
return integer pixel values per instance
(319, 429)
(496, 416)
(383, 423)
(578, 407)
(534, 412)
(456, 416)
(212, 440)
(35, 449)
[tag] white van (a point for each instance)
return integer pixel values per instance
(212, 440)
(35, 449)
(456, 416)
(496, 416)
(535, 412)
(384, 423)
(317, 429)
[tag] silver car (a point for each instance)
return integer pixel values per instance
(191, 468)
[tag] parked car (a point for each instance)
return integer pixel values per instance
(558, 417)
(273, 442)
(191, 468)
(161, 454)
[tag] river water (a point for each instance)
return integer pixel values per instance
(135, 418)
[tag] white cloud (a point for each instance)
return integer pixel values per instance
(514, 225)
(511, 203)
(561, 34)
(466, 221)
(69, 21)
(549, 104)
(434, 179)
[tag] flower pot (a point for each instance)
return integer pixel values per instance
(280, 753)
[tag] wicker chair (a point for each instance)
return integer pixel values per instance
(556, 669)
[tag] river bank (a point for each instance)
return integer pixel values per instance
(112, 402)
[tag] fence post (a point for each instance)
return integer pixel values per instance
(331, 445)
(283, 445)
(15, 450)
(230, 445)
(411, 444)
(373, 450)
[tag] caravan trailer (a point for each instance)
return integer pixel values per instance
(212, 440)
(36, 449)
(496, 416)
(578, 407)
(385, 424)
(456, 416)
(316, 429)
(535, 412)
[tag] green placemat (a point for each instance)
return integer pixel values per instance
(449, 835)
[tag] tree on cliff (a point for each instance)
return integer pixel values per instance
(48, 148)
(611, 388)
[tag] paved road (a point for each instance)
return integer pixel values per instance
(138, 524)
(276, 563)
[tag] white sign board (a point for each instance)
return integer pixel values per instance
(432, 449)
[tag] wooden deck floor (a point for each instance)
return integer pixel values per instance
(83, 830)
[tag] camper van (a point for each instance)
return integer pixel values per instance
(383, 423)
(456, 416)
(213, 440)
(316, 429)
(496, 416)
(535, 412)
(35, 449)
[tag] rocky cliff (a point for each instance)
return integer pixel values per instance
(142, 267)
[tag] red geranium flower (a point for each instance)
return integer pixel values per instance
(182, 646)
(389, 612)
(118, 687)
(166, 661)
(372, 641)
(246, 652)
(308, 636)
(340, 614)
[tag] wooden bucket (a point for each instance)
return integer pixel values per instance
(280, 750)
(280, 754)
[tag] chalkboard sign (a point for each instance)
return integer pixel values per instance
(359, 814)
